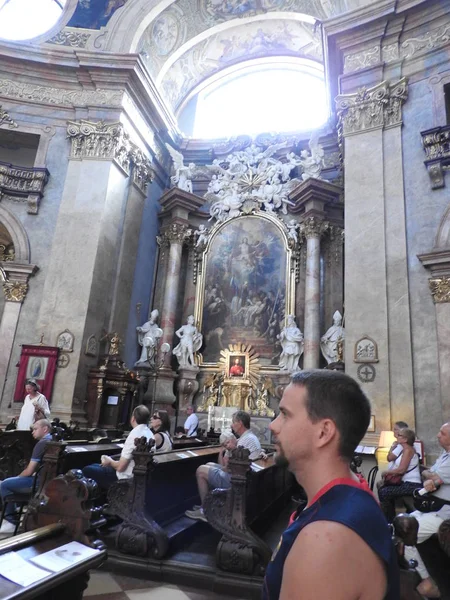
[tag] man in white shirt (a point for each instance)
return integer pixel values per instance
(436, 480)
(212, 476)
(110, 470)
(191, 423)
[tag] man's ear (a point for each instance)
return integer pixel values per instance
(327, 432)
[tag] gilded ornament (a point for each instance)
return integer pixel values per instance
(15, 291)
(7, 253)
(440, 289)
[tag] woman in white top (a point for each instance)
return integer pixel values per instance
(35, 407)
(407, 466)
(160, 425)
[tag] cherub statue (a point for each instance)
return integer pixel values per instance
(202, 234)
(183, 174)
(312, 163)
(190, 341)
(293, 227)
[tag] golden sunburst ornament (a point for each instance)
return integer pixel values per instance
(251, 181)
(240, 364)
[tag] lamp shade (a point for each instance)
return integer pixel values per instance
(386, 439)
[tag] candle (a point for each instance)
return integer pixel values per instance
(209, 417)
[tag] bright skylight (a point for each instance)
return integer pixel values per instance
(266, 99)
(26, 19)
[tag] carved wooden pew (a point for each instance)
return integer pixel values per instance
(248, 502)
(153, 503)
(59, 516)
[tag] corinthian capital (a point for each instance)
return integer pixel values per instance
(15, 291)
(175, 233)
(313, 227)
(440, 289)
(379, 106)
(101, 140)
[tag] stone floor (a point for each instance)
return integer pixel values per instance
(106, 586)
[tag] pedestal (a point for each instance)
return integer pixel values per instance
(187, 386)
(156, 389)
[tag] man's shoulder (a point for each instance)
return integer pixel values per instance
(248, 439)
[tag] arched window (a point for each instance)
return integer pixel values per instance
(26, 19)
(258, 98)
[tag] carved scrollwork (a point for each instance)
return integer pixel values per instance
(7, 253)
(175, 233)
(15, 291)
(5, 119)
(313, 227)
(99, 140)
(23, 183)
(379, 106)
(440, 289)
(74, 39)
(362, 60)
(436, 144)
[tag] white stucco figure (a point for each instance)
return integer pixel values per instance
(329, 341)
(312, 163)
(291, 339)
(148, 336)
(202, 235)
(293, 227)
(183, 173)
(190, 341)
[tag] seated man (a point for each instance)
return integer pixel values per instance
(437, 481)
(23, 483)
(191, 423)
(212, 475)
(111, 470)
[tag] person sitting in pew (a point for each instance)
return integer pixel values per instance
(23, 483)
(110, 470)
(212, 476)
(396, 449)
(160, 426)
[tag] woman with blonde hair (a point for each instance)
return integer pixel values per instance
(35, 406)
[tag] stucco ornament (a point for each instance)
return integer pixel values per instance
(183, 173)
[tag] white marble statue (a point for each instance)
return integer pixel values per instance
(312, 163)
(293, 228)
(148, 336)
(190, 341)
(329, 341)
(183, 173)
(202, 235)
(291, 339)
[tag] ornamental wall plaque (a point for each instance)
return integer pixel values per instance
(91, 346)
(63, 360)
(366, 350)
(65, 341)
(366, 373)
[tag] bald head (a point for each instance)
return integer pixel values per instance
(444, 436)
(41, 428)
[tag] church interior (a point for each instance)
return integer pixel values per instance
(197, 199)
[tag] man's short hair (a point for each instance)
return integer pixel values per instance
(336, 396)
(44, 423)
(243, 417)
(401, 424)
(141, 414)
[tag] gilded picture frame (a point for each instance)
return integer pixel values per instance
(245, 283)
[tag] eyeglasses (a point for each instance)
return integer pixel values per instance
(156, 417)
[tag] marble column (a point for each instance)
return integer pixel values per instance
(312, 228)
(440, 289)
(15, 291)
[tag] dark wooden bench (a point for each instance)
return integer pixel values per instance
(61, 515)
(239, 511)
(16, 448)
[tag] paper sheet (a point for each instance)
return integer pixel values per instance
(192, 453)
(182, 455)
(77, 448)
(18, 570)
(63, 557)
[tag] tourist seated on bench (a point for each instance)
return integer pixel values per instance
(406, 467)
(23, 483)
(160, 426)
(110, 470)
(212, 476)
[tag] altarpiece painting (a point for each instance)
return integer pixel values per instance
(245, 289)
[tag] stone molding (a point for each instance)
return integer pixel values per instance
(23, 183)
(175, 233)
(5, 119)
(18, 90)
(69, 37)
(440, 289)
(313, 227)
(404, 50)
(373, 108)
(436, 144)
(109, 141)
(15, 291)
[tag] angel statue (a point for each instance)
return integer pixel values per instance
(312, 164)
(202, 234)
(183, 174)
(190, 341)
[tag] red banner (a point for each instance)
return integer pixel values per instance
(37, 363)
